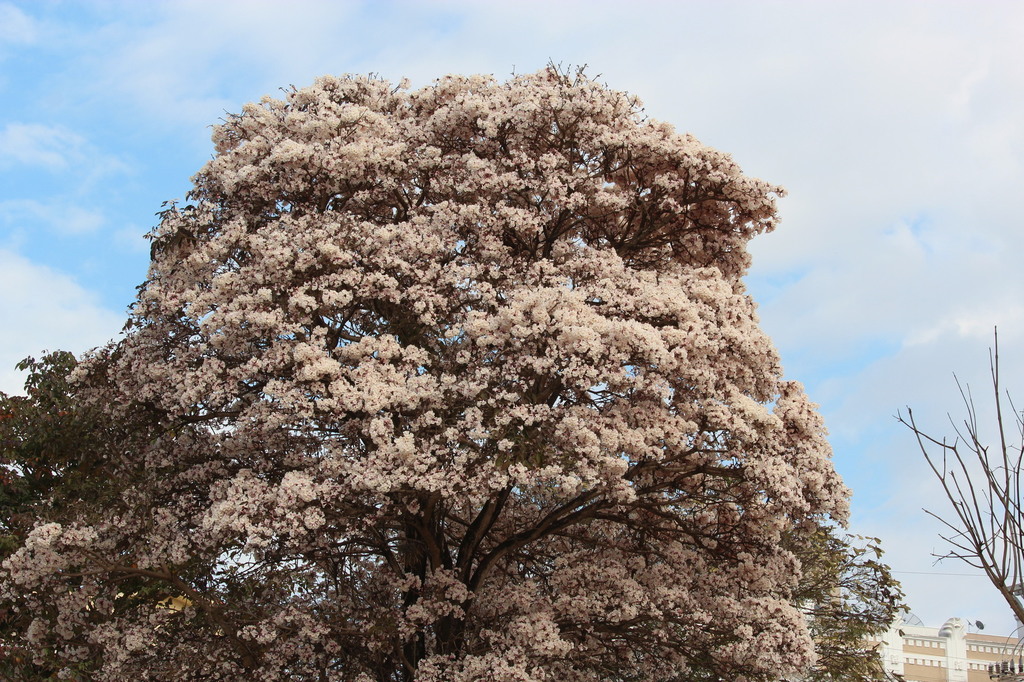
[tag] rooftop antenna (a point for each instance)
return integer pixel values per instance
(910, 619)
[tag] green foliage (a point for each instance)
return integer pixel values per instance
(850, 598)
(51, 454)
(47, 445)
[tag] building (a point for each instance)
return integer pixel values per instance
(951, 653)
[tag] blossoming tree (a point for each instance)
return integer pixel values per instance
(458, 383)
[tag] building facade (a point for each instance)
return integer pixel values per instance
(951, 653)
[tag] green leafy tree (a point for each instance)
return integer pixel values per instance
(54, 448)
(850, 598)
(44, 443)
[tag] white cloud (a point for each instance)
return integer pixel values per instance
(60, 217)
(16, 28)
(65, 205)
(34, 144)
(50, 312)
(183, 63)
(58, 150)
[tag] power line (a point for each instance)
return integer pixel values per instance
(932, 572)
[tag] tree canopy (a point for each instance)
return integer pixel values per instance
(455, 383)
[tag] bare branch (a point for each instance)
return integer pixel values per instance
(986, 527)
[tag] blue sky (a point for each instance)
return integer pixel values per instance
(897, 127)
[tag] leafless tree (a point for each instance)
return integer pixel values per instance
(982, 481)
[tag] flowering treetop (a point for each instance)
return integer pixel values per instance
(455, 383)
